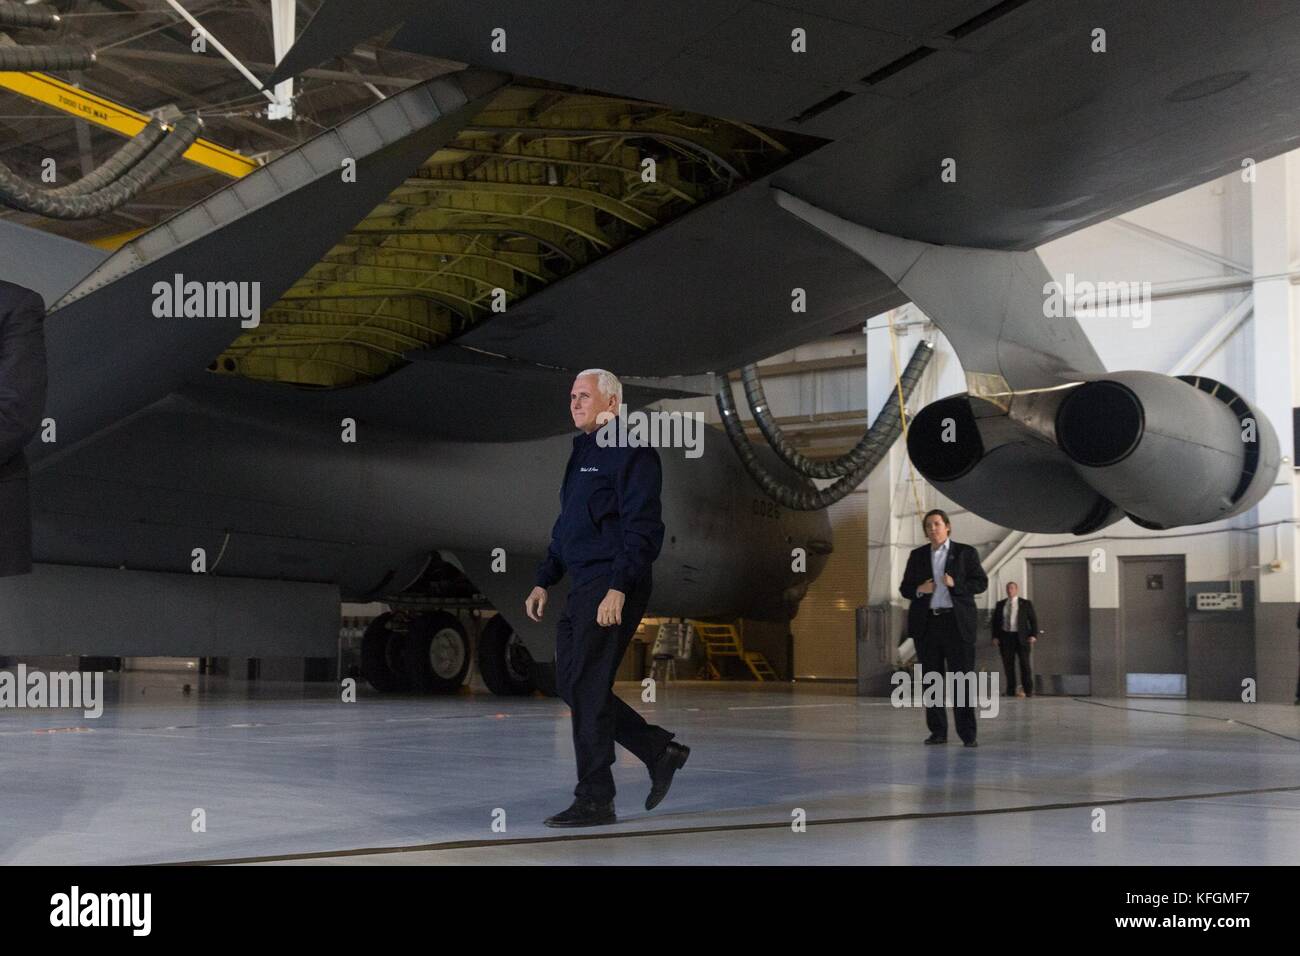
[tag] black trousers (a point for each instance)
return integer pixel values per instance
(942, 651)
(586, 659)
(1013, 648)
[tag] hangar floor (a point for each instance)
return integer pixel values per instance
(283, 774)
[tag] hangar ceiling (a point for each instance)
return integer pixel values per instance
(146, 62)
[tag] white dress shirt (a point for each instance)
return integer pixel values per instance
(938, 562)
(1013, 605)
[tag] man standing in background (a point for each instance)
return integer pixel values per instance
(1015, 632)
(22, 404)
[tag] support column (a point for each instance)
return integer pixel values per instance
(1275, 375)
(892, 525)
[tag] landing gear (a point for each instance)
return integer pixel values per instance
(426, 653)
(503, 660)
(381, 662)
(426, 650)
(435, 654)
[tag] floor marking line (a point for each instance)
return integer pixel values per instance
(1174, 713)
(786, 706)
(726, 828)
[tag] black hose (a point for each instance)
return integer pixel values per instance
(19, 16)
(813, 468)
(883, 432)
(125, 158)
(19, 193)
(23, 59)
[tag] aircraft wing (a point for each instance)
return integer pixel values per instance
(519, 221)
(1052, 114)
(1047, 134)
(111, 354)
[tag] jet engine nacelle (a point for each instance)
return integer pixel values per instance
(972, 452)
(1169, 451)
(1165, 451)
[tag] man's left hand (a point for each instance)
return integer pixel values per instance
(947, 579)
(1033, 640)
(610, 611)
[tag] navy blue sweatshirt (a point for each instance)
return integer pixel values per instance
(609, 525)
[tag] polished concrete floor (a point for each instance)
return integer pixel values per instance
(280, 773)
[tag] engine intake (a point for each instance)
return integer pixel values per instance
(1169, 451)
(973, 453)
(1165, 451)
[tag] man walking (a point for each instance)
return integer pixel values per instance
(607, 536)
(22, 403)
(941, 580)
(1015, 632)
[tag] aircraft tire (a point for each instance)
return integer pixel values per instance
(435, 654)
(503, 660)
(380, 660)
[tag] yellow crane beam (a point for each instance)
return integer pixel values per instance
(120, 119)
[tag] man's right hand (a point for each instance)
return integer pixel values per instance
(927, 587)
(996, 642)
(535, 603)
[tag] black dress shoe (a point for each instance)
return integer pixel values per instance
(584, 813)
(670, 761)
(936, 739)
(969, 743)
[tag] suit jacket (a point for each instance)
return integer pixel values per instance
(968, 580)
(1026, 619)
(22, 405)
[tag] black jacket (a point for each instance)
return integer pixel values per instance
(1026, 619)
(609, 526)
(968, 579)
(22, 405)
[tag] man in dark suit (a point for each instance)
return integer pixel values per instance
(606, 538)
(22, 403)
(1015, 632)
(941, 581)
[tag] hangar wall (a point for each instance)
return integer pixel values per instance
(825, 625)
(1222, 260)
(818, 394)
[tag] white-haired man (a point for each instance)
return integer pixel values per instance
(608, 534)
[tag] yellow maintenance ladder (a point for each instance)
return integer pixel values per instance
(724, 640)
